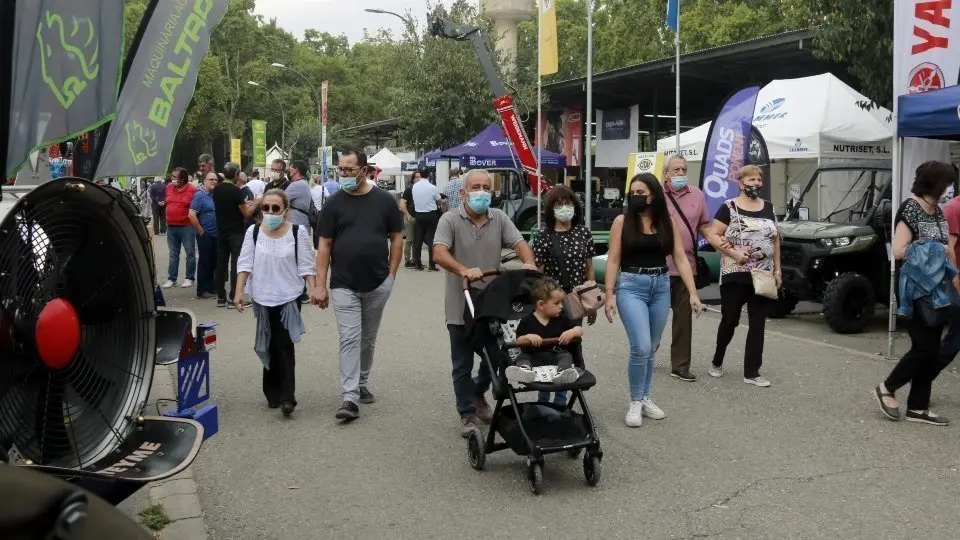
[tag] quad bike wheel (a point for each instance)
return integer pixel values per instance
(849, 303)
(783, 306)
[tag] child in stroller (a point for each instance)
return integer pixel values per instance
(548, 321)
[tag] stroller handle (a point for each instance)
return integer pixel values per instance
(486, 273)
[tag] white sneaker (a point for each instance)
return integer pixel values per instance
(635, 414)
(650, 409)
(567, 376)
(757, 381)
(517, 374)
(715, 371)
(167, 284)
(187, 283)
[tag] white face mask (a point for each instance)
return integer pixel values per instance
(564, 214)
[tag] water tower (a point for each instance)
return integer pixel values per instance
(506, 15)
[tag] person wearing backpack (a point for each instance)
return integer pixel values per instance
(303, 211)
(275, 260)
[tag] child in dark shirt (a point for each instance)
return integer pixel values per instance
(547, 322)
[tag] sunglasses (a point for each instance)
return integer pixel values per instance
(272, 209)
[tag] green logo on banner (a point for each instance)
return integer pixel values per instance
(79, 44)
(141, 141)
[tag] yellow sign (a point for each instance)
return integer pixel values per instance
(549, 55)
(235, 151)
(644, 162)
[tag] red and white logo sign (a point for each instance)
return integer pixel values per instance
(925, 77)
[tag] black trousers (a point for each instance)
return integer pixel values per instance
(279, 382)
(920, 365)
(426, 229)
(206, 263)
(228, 251)
(733, 296)
(159, 219)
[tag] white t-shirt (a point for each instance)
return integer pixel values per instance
(257, 187)
(276, 274)
(425, 196)
(319, 194)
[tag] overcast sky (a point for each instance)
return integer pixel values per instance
(339, 16)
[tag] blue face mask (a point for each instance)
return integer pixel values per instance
(348, 183)
(272, 221)
(479, 201)
(678, 182)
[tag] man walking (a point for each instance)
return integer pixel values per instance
(302, 207)
(688, 207)
(256, 185)
(451, 191)
(232, 212)
(354, 229)
(469, 240)
(409, 220)
(425, 197)
(180, 232)
(158, 194)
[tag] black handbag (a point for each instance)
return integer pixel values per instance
(702, 277)
(931, 316)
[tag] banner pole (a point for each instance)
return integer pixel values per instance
(8, 11)
(536, 140)
(676, 42)
(588, 137)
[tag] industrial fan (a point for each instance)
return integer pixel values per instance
(78, 341)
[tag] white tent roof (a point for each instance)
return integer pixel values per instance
(809, 117)
(388, 162)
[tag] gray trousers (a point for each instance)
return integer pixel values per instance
(358, 321)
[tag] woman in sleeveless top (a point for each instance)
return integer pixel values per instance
(638, 285)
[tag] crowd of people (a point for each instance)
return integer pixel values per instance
(340, 243)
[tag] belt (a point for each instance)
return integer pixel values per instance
(652, 271)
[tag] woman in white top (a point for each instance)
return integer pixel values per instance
(275, 259)
(317, 191)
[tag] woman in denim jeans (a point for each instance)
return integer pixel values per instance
(640, 241)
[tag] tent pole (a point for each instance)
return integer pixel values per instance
(894, 205)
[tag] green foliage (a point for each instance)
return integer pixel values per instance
(154, 517)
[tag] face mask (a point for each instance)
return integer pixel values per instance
(348, 183)
(638, 203)
(479, 201)
(564, 214)
(272, 221)
(274, 175)
(751, 191)
(678, 182)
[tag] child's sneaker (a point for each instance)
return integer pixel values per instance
(519, 374)
(567, 376)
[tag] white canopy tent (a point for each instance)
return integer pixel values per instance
(806, 122)
(388, 162)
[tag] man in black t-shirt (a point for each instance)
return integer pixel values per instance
(409, 220)
(232, 213)
(354, 228)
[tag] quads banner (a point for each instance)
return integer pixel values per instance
(235, 148)
(159, 87)
(66, 67)
(259, 129)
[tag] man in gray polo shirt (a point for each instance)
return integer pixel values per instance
(468, 241)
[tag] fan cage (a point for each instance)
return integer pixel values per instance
(109, 280)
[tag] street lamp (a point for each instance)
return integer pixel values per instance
(319, 109)
(283, 115)
(412, 28)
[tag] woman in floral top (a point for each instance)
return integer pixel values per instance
(744, 231)
(564, 250)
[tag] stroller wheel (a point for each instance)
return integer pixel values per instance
(573, 453)
(591, 469)
(535, 477)
(475, 450)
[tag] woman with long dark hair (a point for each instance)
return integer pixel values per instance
(564, 250)
(638, 284)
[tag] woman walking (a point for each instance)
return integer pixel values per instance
(276, 258)
(744, 231)
(564, 251)
(640, 241)
(918, 246)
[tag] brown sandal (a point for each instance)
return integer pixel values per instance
(892, 413)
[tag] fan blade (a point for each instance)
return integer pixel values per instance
(50, 424)
(91, 386)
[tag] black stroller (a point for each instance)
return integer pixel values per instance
(529, 429)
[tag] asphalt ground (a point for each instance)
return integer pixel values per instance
(809, 457)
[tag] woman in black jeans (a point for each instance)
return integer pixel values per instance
(744, 231)
(919, 219)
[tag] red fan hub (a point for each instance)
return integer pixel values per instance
(58, 333)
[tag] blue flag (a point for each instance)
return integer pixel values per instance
(673, 15)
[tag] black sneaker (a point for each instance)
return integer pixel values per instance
(273, 405)
(287, 408)
(408, 264)
(433, 268)
(366, 396)
(348, 411)
(926, 417)
(684, 376)
(221, 302)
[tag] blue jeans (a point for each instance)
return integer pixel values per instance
(181, 236)
(465, 387)
(644, 303)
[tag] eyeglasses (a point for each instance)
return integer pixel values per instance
(348, 169)
(272, 209)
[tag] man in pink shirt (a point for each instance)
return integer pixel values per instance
(688, 208)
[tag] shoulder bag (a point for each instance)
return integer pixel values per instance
(702, 277)
(585, 299)
(923, 306)
(764, 282)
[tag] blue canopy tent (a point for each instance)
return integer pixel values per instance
(490, 148)
(930, 115)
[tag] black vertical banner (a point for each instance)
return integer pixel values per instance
(65, 71)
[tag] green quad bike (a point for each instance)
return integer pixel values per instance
(842, 259)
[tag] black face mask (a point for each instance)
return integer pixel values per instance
(638, 203)
(751, 191)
